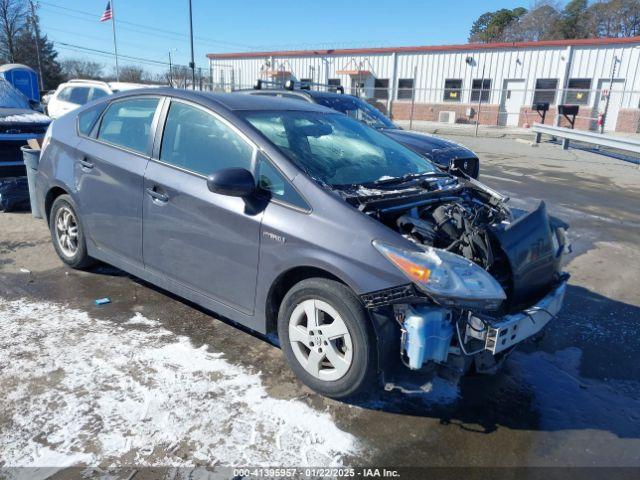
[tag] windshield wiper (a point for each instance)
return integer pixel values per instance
(405, 178)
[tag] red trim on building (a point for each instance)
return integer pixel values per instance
(430, 48)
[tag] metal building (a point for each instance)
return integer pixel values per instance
(491, 83)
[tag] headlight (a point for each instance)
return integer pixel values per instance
(448, 278)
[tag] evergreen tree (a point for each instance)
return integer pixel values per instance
(26, 54)
(493, 26)
(20, 33)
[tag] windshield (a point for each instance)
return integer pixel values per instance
(10, 97)
(357, 109)
(335, 149)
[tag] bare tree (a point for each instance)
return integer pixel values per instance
(615, 18)
(135, 74)
(13, 21)
(180, 76)
(79, 68)
(537, 24)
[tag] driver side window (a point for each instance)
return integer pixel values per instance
(195, 140)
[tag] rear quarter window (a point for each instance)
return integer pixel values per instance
(87, 119)
(64, 94)
(127, 123)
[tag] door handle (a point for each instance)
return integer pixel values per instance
(160, 197)
(84, 163)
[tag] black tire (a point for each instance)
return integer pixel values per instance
(361, 374)
(80, 259)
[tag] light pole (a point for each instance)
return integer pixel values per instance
(192, 64)
(171, 67)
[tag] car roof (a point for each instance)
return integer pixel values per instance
(120, 86)
(322, 94)
(301, 92)
(81, 82)
(229, 101)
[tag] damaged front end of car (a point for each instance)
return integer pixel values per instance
(481, 280)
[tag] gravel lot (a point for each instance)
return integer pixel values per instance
(151, 380)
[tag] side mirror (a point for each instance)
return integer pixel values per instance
(234, 182)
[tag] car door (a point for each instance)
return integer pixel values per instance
(205, 241)
(109, 175)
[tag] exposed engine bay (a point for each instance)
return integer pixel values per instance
(521, 251)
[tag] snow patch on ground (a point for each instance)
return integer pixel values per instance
(78, 390)
(139, 319)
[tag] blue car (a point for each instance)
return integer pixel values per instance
(19, 122)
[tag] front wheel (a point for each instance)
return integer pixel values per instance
(327, 338)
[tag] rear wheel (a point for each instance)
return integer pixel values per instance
(67, 234)
(327, 338)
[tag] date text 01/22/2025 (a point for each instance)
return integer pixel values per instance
(315, 472)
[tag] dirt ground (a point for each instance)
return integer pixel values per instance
(151, 380)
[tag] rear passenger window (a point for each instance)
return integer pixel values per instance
(88, 118)
(197, 141)
(127, 123)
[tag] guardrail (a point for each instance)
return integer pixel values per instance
(567, 134)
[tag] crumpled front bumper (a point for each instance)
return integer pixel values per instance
(513, 329)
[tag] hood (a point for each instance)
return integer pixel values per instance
(22, 116)
(436, 148)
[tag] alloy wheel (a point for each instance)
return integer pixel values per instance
(67, 231)
(320, 340)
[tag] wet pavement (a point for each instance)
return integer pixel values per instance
(571, 399)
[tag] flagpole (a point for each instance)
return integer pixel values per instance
(115, 44)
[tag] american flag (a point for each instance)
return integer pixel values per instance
(107, 15)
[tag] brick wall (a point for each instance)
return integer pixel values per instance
(401, 110)
(628, 120)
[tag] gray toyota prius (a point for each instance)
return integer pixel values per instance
(292, 218)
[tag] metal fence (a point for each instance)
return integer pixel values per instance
(598, 109)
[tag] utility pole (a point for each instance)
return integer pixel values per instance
(170, 71)
(36, 30)
(192, 64)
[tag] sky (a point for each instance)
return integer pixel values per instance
(149, 29)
